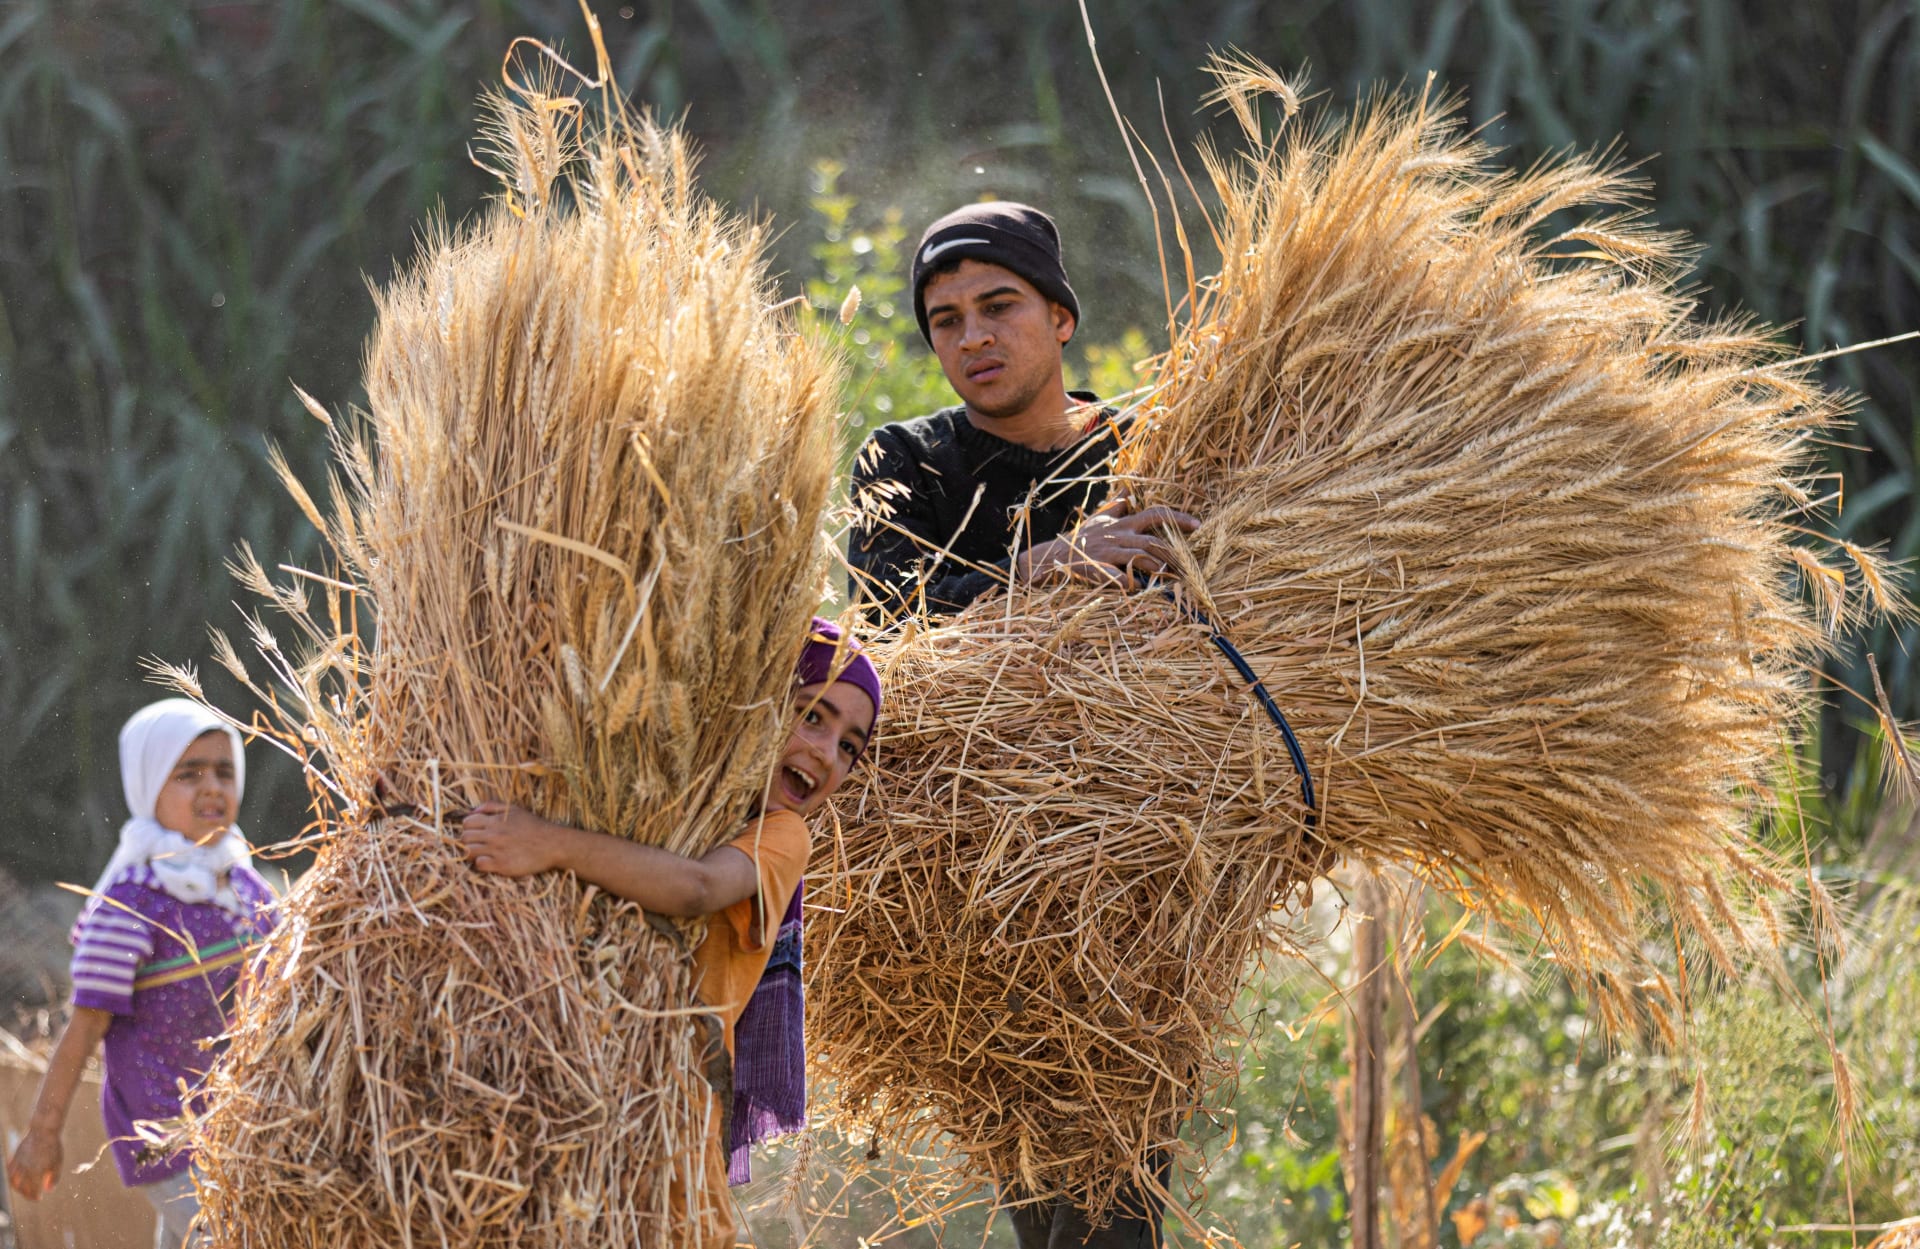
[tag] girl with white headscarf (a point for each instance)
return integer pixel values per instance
(150, 744)
(158, 950)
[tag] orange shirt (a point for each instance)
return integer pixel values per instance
(729, 962)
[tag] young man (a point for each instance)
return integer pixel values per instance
(952, 505)
(1001, 488)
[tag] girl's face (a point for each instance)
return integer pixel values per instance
(830, 728)
(200, 799)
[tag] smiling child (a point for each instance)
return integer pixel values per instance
(746, 885)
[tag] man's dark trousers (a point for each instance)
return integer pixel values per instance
(1062, 1225)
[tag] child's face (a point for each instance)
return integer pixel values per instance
(200, 799)
(830, 728)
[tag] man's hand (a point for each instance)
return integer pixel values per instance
(35, 1166)
(511, 841)
(1115, 544)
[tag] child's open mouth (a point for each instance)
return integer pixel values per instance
(797, 783)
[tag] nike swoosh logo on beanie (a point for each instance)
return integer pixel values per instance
(934, 249)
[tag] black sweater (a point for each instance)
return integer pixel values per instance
(960, 503)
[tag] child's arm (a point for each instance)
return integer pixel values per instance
(35, 1165)
(510, 841)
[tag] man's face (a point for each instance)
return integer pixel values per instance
(997, 337)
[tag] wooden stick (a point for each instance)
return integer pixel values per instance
(1366, 1064)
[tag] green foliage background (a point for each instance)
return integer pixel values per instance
(193, 194)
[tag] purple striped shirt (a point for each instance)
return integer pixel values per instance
(165, 969)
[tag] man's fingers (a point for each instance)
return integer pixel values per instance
(1160, 517)
(1098, 571)
(1118, 548)
(1117, 545)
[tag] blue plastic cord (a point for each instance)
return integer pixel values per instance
(1240, 665)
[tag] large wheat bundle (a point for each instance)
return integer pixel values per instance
(1508, 537)
(588, 521)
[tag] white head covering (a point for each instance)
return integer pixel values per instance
(151, 742)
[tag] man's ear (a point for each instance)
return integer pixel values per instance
(1064, 323)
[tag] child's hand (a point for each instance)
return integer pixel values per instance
(35, 1165)
(509, 841)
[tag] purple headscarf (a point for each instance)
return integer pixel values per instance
(769, 1040)
(829, 655)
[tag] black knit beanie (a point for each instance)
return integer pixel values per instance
(1010, 235)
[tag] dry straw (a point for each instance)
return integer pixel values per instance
(1508, 533)
(583, 517)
